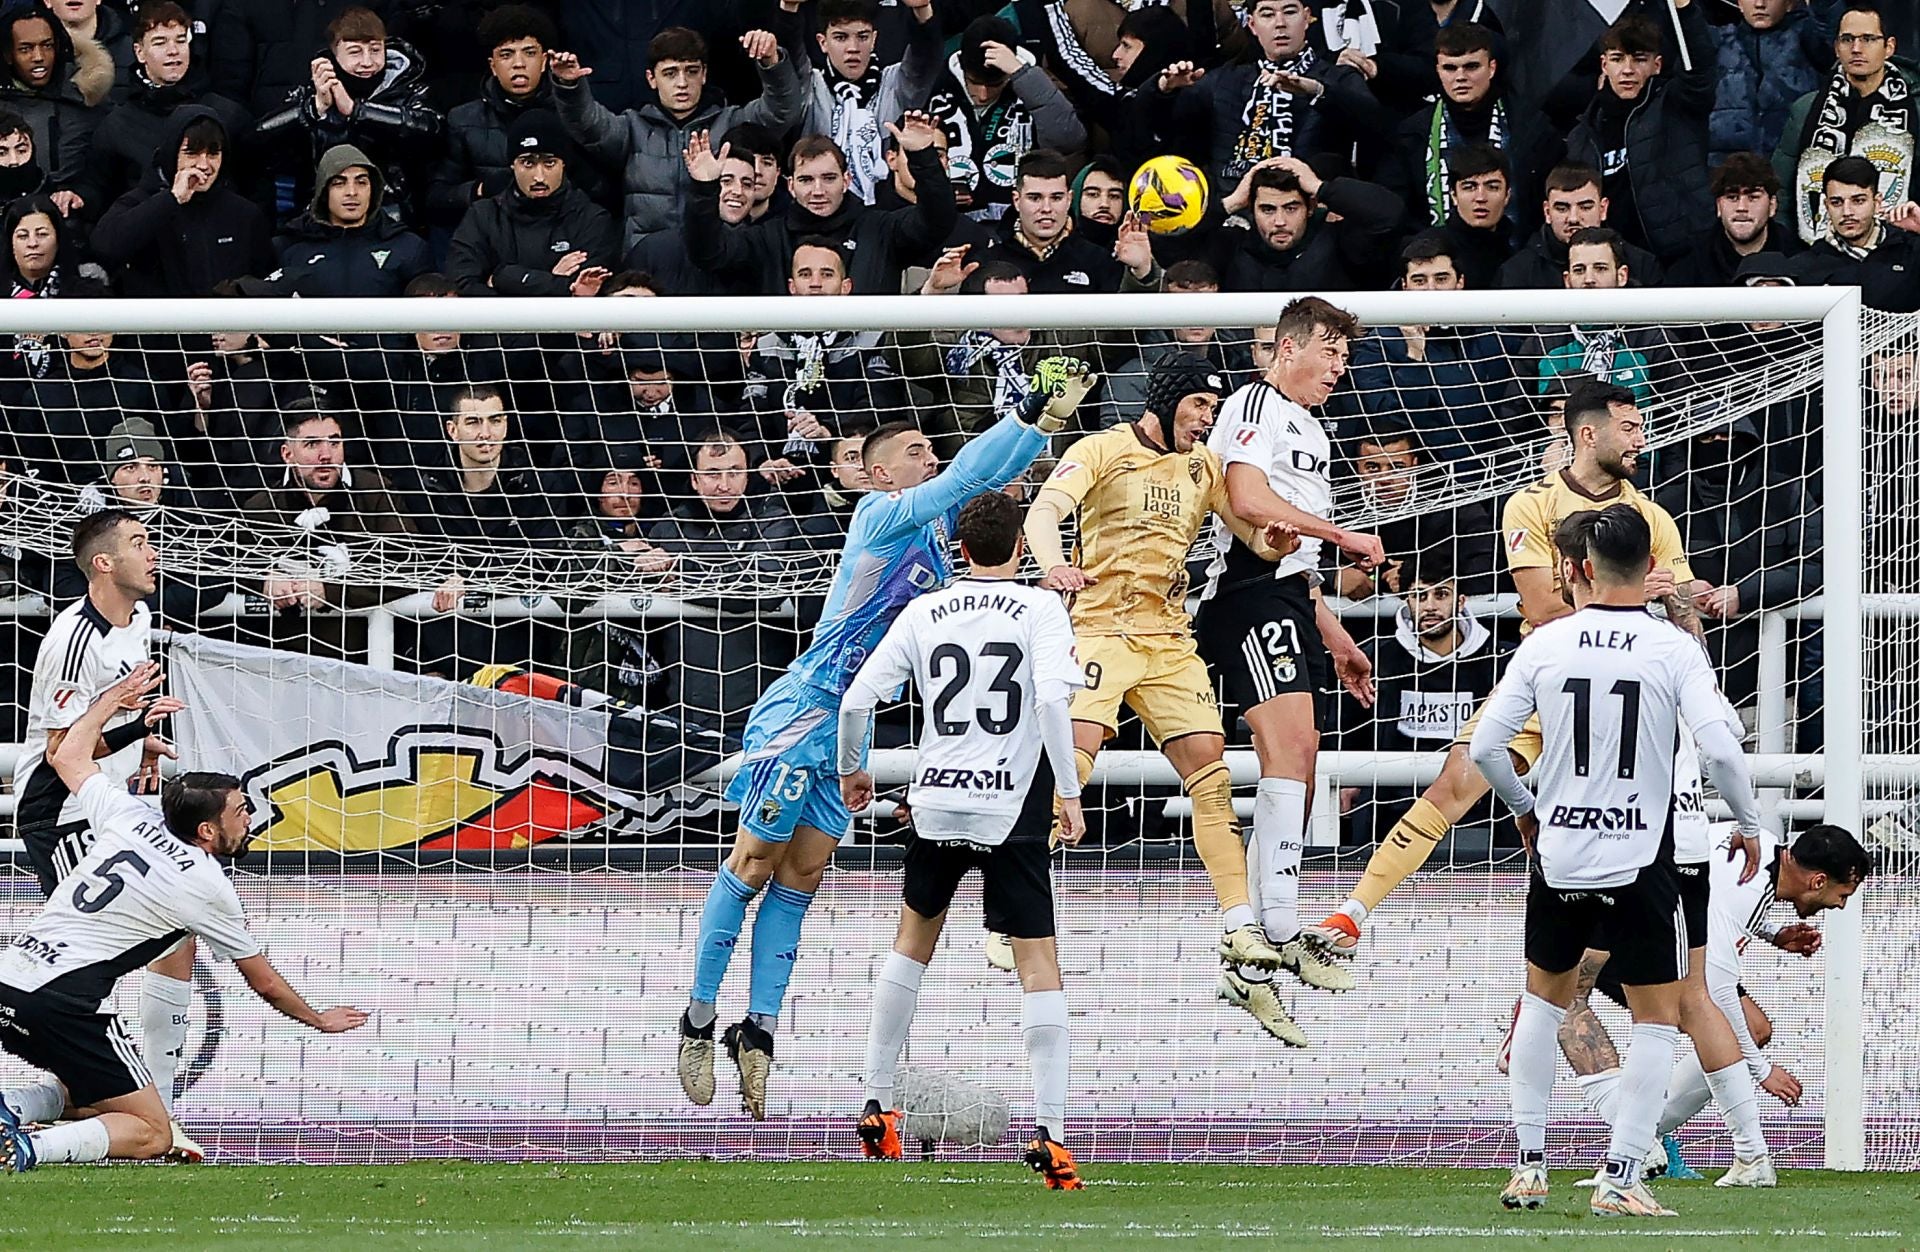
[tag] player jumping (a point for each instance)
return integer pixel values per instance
(1608, 435)
(791, 815)
(1141, 492)
(149, 878)
(1608, 685)
(994, 664)
(91, 644)
(1268, 634)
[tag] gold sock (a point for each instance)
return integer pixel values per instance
(1405, 849)
(1216, 835)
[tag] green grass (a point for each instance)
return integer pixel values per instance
(711, 1207)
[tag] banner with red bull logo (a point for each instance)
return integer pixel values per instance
(339, 757)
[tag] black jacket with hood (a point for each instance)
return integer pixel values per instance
(124, 141)
(175, 249)
(64, 113)
(317, 258)
(507, 244)
(475, 165)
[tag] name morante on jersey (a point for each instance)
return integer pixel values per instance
(1140, 510)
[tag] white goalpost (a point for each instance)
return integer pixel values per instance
(502, 861)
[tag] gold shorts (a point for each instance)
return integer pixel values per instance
(1159, 677)
(1526, 745)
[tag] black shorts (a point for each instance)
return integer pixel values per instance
(1692, 881)
(1262, 641)
(53, 850)
(87, 1051)
(1642, 926)
(1016, 879)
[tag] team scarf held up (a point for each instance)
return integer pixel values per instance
(1442, 137)
(1886, 136)
(856, 128)
(1268, 122)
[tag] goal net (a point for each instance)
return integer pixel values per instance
(477, 595)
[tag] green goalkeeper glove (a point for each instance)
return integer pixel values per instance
(1063, 381)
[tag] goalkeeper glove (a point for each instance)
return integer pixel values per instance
(1060, 383)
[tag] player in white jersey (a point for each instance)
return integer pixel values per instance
(92, 644)
(1610, 684)
(1273, 644)
(150, 877)
(1821, 871)
(995, 667)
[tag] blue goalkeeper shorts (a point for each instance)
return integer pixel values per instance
(788, 776)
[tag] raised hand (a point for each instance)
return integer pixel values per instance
(1180, 74)
(1067, 380)
(950, 272)
(915, 133)
(703, 163)
(566, 68)
(200, 383)
(589, 281)
(1133, 245)
(762, 47)
(1000, 57)
(568, 265)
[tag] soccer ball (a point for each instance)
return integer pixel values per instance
(1170, 192)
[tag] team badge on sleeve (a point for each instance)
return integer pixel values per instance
(1065, 468)
(1516, 540)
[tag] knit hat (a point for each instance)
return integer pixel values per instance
(1179, 375)
(1764, 267)
(133, 439)
(538, 130)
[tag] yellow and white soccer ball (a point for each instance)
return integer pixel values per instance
(1170, 192)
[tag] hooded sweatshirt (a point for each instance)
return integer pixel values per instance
(318, 258)
(64, 113)
(175, 249)
(1422, 698)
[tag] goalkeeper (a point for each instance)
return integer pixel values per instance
(788, 787)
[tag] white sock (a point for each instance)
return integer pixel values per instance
(1687, 1094)
(1733, 1091)
(1236, 917)
(1356, 910)
(1280, 828)
(1043, 1027)
(164, 1003)
(73, 1143)
(1530, 1070)
(1601, 1092)
(896, 993)
(1643, 1091)
(42, 1102)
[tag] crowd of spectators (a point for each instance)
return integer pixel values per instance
(244, 150)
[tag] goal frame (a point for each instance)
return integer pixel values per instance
(1838, 309)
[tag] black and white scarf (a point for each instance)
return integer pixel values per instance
(1268, 122)
(1010, 381)
(1893, 107)
(1443, 135)
(856, 128)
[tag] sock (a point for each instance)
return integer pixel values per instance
(720, 922)
(42, 1102)
(1356, 910)
(1280, 828)
(1687, 1094)
(1530, 1071)
(1043, 1027)
(700, 1014)
(776, 944)
(1643, 1091)
(1216, 837)
(74, 1142)
(896, 992)
(1733, 1091)
(164, 1003)
(1601, 1093)
(1404, 850)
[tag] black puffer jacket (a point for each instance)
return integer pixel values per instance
(475, 165)
(263, 49)
(124, 141)
(175, 249)
(507, 245)
(390, 122)
(1542, 262)
(1666, 147)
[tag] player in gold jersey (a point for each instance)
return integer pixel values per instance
(1608, 436)
(1142, 492)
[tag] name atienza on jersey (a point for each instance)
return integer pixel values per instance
(1259, 426)
(984, 654)
(1612, 684)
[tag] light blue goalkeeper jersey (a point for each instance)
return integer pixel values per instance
(899, 545)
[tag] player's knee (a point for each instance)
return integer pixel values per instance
(1459, 786)
(753, 866)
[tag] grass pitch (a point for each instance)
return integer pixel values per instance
(714, 1207)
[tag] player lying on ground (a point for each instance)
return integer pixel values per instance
(1688, 854)
(1605, 793)
(994, 664)
(1268, 635)
(1141, 493)
(150, 878)
(1608, 434)
(89, 646)
(791, 816)
(1821, 871)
